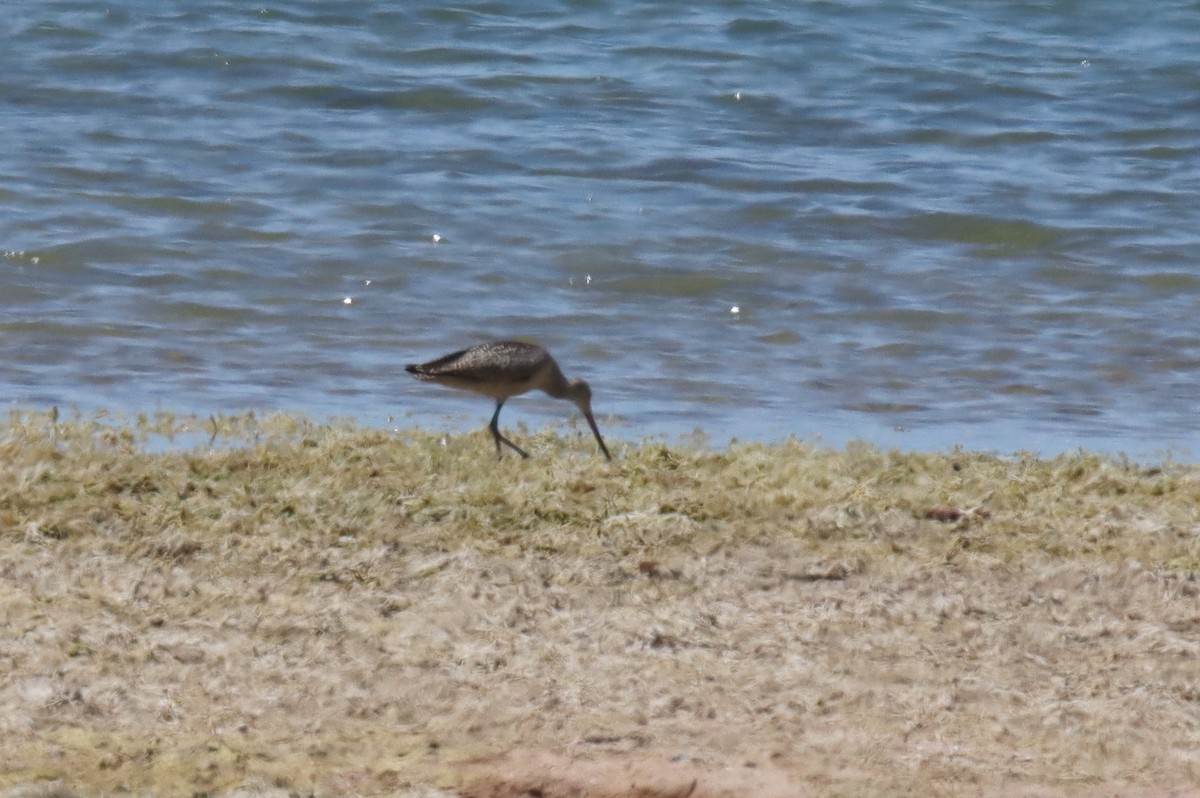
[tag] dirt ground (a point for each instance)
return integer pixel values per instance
(755, 671)
(254, 624)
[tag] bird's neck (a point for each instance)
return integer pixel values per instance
(555, 384)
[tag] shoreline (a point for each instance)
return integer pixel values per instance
(330, 609)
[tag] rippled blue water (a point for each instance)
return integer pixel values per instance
(920, 224)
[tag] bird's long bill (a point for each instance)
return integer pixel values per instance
(587, 413)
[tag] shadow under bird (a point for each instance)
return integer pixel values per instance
(503, 369)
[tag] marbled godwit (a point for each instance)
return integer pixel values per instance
(503, 369)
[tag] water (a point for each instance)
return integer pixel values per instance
(920, 224)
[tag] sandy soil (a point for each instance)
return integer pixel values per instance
(337, 611)
(757, 669)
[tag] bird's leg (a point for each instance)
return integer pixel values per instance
(495, 430)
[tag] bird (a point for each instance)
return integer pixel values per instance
(502, 370)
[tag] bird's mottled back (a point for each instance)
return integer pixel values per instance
(492, 362)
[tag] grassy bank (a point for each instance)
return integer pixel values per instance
(205, 605)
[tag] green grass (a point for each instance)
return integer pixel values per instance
(263, 478)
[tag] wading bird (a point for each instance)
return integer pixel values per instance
(503, 369)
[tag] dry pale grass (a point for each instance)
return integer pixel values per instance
(296, 609)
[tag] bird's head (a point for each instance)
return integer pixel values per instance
(579, 392)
